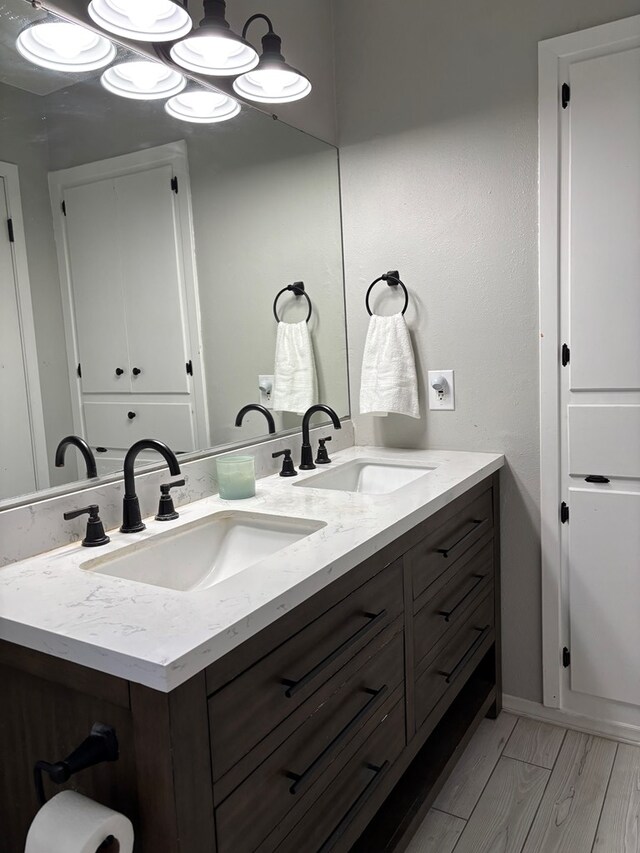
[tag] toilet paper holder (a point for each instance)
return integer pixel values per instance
(101, 745)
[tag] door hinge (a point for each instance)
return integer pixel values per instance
(64, 208)
(566, 657)
(565, 95)
(174, 184)
(564, 512)
(79, 371)
(566, 355)
(12, 238)
(189, 368)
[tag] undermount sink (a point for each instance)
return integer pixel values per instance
(204, 552)
(368, 476)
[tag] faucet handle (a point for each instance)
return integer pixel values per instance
(323, 455)
(166, 509)
(288, 469)
(95, 534)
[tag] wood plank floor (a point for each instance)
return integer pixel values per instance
(527, 787)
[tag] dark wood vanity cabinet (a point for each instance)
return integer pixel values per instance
(330, 730)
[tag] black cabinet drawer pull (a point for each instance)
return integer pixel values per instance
(301, 779)
(342, 827)
(294, 687)
(469, 528)
(596, 478)
(449, 613)
(466, 657)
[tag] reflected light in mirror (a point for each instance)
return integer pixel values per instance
(143, 20)
(142, 80)
(62, 46)
(202, 107)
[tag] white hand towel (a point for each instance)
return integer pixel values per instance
(295, 386)
(389, 383)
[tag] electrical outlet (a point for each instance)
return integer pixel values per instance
(265, 386)
(442, 396)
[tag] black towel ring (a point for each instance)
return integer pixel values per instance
(297, 288)
(393, 280)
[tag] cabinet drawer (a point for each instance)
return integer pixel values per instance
(464, 582)
(244, 711)
(429, 558)
(284, 780)
(343, 803)
(109, 425)
(452, 656)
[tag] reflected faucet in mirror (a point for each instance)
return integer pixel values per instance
(83, 447)
(131, 517)
(306, 460)
(255, 407)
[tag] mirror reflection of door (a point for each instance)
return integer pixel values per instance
(23, 466)
(130, 299)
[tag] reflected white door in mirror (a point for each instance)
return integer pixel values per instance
(23, 461)
(124, 238)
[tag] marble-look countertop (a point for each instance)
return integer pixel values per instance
(161, 637)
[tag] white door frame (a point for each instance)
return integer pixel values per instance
(175, 155)
(10, 173)
(554, 56)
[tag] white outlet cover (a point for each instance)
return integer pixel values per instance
(265, 380)
(444, 402)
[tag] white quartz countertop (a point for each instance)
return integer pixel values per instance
(161, 637)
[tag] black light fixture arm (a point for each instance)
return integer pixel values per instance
(257, 17)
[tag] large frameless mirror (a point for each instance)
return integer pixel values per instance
(144, 249)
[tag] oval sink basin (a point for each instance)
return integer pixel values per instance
(368, 476)
(204, 552)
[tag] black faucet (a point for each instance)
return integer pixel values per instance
(306, 460)
(83, 447)
(254, 407)
(131, 518)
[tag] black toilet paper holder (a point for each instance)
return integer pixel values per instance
(101, 745)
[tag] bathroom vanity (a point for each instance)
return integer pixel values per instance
(314, 702)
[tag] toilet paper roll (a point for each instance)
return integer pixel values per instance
(71, 823)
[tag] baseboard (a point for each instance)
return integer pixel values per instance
(604, 728)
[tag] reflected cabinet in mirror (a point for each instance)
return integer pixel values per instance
(139, 268)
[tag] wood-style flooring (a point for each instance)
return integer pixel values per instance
(527, 787)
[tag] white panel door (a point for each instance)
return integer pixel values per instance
(152, 273)
(95, 266)
(17, 466)
(604, 200)
(604, 592)
(600, 385)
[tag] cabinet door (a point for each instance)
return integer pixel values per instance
(604, 591)
(96, 282)
(153, 286)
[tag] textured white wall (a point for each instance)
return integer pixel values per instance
(437, 129)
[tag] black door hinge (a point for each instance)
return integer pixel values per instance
(64, 208)
(12, 238)
(174, 184)
(79, 371)
(564, 512)
(566, 355)
(566, 657)
(189, 368)
(565, 95)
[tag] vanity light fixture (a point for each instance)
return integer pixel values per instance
(142, 20)
(214, 48)
(202, 107)
(143, 80)
(272, 81)
(62, 46)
